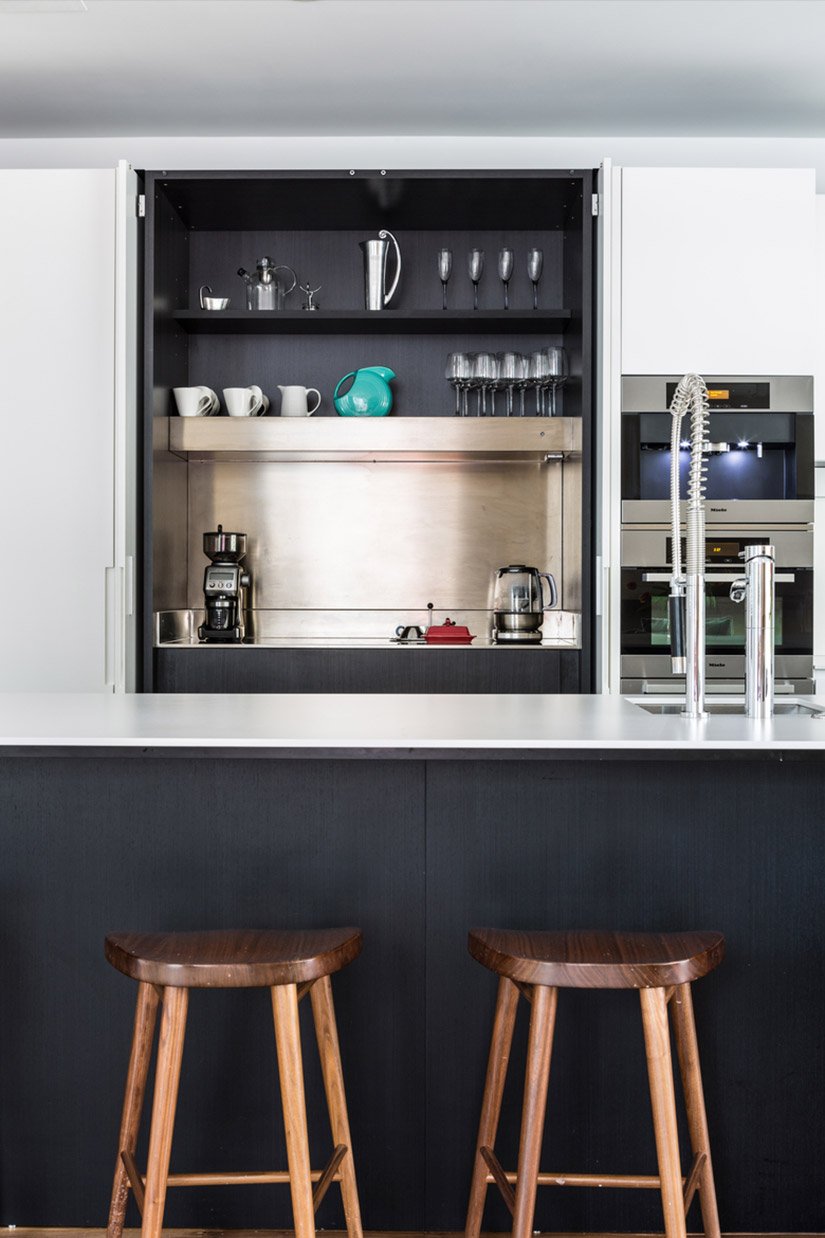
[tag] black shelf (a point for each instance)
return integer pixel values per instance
(380, 322)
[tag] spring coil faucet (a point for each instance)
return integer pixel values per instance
(686, 604)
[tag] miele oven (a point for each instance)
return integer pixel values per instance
(645, 584)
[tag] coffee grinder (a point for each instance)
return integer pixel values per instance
(224, 587)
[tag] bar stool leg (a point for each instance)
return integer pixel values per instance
(663, 1102)
(539, 1051)
(291, 1071)
(687, 1047)
(500, 1044)
(326, 1032)
(164, 1103)
(142, 1036)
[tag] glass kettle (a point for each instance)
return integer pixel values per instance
(519, 602)
(266, 289)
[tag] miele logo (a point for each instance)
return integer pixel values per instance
(719, 665)
(719, 509)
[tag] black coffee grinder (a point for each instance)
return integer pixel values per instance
(224, 587)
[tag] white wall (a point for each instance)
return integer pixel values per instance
(413, 152)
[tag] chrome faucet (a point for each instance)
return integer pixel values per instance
(757, 590)
(686, 604)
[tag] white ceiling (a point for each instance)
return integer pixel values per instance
(459, 67)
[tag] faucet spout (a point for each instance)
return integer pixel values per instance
(757, 590)
(687, 591)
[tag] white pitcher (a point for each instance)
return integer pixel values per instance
(294, 401)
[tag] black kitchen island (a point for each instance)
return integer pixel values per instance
(557, 812)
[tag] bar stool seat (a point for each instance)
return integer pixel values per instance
(598, 960)
(290, 964)
(535, 965)
(233, 960)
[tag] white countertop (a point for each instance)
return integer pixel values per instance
(384, 722)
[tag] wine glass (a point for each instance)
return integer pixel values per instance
(475, 266)
(535, 263)
(538, 368)
(485, 372)
(458, 373)
(445, 269)
(505, 270)
(522, 382)
(510, 372)
(556, 372)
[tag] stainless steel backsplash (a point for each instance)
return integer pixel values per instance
(383, 534)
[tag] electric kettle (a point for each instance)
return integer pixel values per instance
(519, 603)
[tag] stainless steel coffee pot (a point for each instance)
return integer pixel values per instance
(376, 294)
(519, 602)
(266, 290)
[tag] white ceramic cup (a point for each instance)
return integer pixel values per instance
(294, 401)
(244, 401)
(195, 401)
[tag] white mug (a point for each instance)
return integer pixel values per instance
(245, 401)
(196, 401)
(294, 401)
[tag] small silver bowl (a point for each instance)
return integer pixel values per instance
(209, 302)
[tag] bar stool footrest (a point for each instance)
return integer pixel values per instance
(505, 1179)
(135, 1180)
(323, 1178)
(692, 1180)
(329, 1175)
(501, 1179)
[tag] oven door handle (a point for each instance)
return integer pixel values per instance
(716, 578)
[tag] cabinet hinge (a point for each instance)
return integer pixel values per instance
(594, 204)
(141, 205)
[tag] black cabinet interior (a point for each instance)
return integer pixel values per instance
(202, 226)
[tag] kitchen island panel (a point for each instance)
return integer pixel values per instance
(93, 845)
(631, 845)
(416, 851)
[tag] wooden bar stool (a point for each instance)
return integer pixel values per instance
(536, 965)
(290, 964)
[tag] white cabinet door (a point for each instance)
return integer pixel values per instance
(717, 270)
(57, 423)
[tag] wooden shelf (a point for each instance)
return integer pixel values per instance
(381, 322)
(372, 438)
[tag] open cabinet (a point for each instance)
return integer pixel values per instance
(357, 524)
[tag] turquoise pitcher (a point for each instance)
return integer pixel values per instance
(370, 394)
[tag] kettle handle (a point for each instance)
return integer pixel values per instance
(284, 267)
(351, 374)
(554, 596)
(382, 236)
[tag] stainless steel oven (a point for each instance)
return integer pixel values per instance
(763, 470)
(645, 581)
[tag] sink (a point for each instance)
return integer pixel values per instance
(781, 708)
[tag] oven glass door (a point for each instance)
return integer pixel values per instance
(644, 625)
